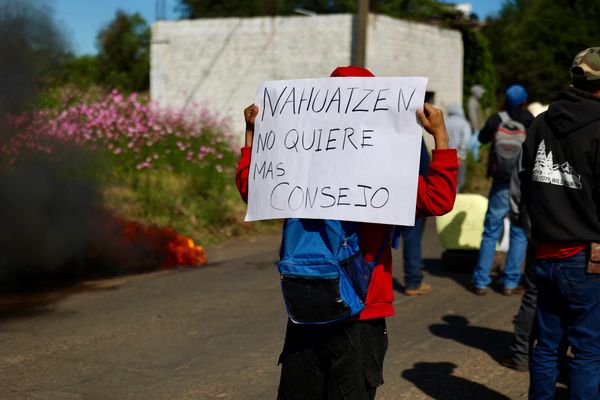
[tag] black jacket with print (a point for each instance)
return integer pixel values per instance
(560, 177)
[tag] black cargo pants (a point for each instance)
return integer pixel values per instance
(334, 361)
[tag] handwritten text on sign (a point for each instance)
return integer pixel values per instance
(337, 148)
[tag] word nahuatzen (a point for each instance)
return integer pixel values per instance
(339, 100)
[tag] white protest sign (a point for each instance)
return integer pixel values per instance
(337, 148)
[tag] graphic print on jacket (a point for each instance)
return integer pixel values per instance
(546, 171)
(561, 160)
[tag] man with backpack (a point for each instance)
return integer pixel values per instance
(344, 359)
(506, 130)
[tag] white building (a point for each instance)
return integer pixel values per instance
(220, 62)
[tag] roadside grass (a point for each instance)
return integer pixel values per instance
(186, 202)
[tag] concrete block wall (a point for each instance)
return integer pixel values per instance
(219, 63)
(403, 48)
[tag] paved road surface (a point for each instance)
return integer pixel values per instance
(215, 333)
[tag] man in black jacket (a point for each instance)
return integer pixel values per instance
(561, 190)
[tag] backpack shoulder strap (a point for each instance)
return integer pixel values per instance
(504, 117)
(389, 231)
(387, 237)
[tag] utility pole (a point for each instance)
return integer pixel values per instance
(362, 19)
(160, 10)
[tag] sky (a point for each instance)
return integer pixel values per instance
(82, 19)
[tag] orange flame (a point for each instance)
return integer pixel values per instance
(183, 251)
(166, 247)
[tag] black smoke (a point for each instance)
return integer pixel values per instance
(53, 226)
(31, 45)
(47, 220)
(48, 202)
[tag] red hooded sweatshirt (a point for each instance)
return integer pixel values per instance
(435, 196)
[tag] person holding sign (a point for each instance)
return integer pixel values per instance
(344, 360)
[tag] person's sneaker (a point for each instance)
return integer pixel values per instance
(479, 291)
(422, 289)
(509, 362)
(513, 291)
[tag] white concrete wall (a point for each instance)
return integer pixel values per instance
(220, 62)
(402, 48)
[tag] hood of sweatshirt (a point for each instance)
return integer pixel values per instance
(455, 109)
(573, 110)
(351, 71)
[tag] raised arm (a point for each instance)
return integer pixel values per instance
(250, 114)
(437, 191)
(432, 120)
(241, 177)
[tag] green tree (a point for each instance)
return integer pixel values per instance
(82, 71)
(407, 9)
(478, 67)
(228, 8)
(419, 10)
(534, 42)
(327, 6)
(252, 8)
(124, 52)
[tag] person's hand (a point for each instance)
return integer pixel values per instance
(250, 114)
(432, 120)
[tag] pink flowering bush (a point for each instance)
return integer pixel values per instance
(177, 165)
(133, 132)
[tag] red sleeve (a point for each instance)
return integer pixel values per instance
(437, 191)
(241, 176)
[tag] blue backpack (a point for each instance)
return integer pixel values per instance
(324, 277)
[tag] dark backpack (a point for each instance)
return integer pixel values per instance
(324, 277)
(506, 148)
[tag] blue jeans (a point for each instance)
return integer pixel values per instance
(411, 253)
(568, 307)
(498, 207)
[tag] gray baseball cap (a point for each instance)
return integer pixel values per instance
(586, 65)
